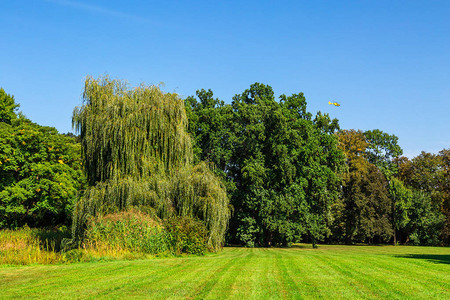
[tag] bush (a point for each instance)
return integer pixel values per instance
(187, 235)
(131, 230)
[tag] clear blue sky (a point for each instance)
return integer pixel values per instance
(386, 62)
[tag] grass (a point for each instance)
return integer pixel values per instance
(241, 273)
(29, 246)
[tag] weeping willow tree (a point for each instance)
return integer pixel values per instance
(137, 153)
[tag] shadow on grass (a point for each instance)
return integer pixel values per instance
(436, 258)
(302, 246)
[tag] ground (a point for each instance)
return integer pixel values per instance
(242, 273)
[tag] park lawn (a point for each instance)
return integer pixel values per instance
(242, 273)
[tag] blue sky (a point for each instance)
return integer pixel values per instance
(386, 62)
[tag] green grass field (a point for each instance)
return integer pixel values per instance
(241, 273)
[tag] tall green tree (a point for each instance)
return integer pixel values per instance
(401, 204)
(282, 163)
(40, 171)
(209, 122)
(367, 206)
(137, 153)
(428, 173)
(426, 222)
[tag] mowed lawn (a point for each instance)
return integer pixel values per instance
(241, 273)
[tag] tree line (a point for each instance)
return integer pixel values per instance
(258, 171)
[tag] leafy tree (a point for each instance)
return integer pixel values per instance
(444, 186)
(429, 173)
(426, 223)
(209, 125)
(137, 153)
(8, 107)
(381, 150)
(282, 163)
(423, 172)
(401, 204)
(40, 173)
(367, 206)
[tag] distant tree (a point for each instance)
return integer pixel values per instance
(426, 222)
(444, 186)
(429, 174)
(424, 172)
(367, 206)
(401, 204)
(382, 148)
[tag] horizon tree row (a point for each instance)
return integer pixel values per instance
(289, 176)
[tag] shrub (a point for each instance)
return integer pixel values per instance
(187, 235)
(132, 230)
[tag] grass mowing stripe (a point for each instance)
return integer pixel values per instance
(171, 282)
(241, 287)
(419, 280)
(270, 274)
(357, 275)
(331, 281)
(227, 284)
(219, 277)
(305, 272)
(285, 282)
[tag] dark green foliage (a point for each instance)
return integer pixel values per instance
(444, 186)
(426, 222)
(187, 235)
(368, 206)
(365, 211)
(429, 174)
(280, 163)
(40, 174)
